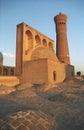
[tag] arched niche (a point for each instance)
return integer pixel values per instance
(44, 42)
(29, 40)
(11, 71)
(38, 40)
(5, 71)
(54, 75)
(50, 45)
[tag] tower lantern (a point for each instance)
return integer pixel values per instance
(62, 50)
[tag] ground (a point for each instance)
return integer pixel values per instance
(62, 103)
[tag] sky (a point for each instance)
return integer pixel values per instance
(40, 15)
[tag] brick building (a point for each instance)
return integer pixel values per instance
(36, 61)
(5, 70)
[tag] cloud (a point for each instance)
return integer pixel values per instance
(2, 49)
(8, 55)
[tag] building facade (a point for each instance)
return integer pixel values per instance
(5, 70)
(36, 61)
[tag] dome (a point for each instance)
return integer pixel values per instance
(1, 55)
(43, 52)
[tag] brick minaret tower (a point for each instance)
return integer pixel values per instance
(62, 51)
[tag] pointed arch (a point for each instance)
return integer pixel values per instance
(38, 40)
(44, 42)
(50, 45)
(29, 40)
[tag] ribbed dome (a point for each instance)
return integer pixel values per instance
(43, 52)
(1, 55)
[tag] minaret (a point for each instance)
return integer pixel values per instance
(62, 50)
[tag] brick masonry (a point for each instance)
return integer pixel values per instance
(30, 120)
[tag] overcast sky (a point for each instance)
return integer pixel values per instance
(39, 14)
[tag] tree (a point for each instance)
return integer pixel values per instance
(78, 73)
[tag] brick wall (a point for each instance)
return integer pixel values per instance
(36, 71)
(9, 80)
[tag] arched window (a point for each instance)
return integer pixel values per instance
(29, 40)
(44, 42)
(54, 75)
(38, 40)
(50, 45)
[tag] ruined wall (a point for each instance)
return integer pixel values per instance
(9, 80)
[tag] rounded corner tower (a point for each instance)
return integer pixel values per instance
(62, 50)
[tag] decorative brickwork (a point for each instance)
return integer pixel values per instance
(62, 50)
(30, 120)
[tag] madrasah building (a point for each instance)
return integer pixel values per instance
(5, 70)
(36, 61)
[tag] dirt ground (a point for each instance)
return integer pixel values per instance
(64, 102)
